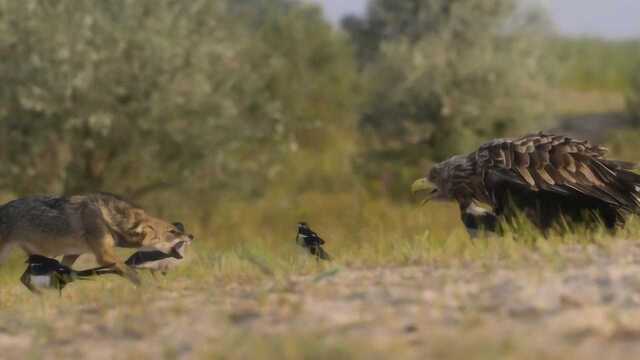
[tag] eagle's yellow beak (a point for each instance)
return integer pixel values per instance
(425, 185)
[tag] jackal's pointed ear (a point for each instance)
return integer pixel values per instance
(138, 215)
(179, 226)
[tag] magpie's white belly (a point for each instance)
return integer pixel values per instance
(41, 281)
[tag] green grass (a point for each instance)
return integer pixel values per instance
(253, 242)
(595, 65)
(592, 76)
(245, 264)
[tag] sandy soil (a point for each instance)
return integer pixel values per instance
(582, 304)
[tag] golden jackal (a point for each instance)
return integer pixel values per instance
(94, 223)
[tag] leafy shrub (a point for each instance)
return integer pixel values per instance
(198, 97)
(442, 76)
(633, 99)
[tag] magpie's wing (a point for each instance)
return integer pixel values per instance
(314, 240)
(42, 265)
(42, 260)
(305, 230)
(38, 269)
(64, 270)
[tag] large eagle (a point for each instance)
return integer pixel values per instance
(547, 178)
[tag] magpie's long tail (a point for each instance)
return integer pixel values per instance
(319, 252)
(102, 270)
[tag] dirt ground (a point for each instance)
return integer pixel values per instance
(584, 304)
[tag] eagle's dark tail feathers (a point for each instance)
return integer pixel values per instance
(623, 184)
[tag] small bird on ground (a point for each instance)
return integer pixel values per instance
(46, 273)
(155, 260)
(309, 240)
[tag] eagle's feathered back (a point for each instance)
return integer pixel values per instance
(561, 165)
(546, 176)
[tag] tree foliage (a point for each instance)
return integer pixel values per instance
(633, 98)
(136, 96)
(443, 75)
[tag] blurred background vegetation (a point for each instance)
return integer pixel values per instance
(234, 114)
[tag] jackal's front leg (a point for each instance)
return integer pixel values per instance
(120, 268)
(101, 242)
(105, 256)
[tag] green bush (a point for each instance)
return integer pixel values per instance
(633, 98)
(594, 65)
(207, 98)
(443, 76)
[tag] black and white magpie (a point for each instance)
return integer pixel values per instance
(47, 273)
(155, 260)
(309, 240)
(476, 219)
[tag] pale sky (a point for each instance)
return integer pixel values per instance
(603, 18)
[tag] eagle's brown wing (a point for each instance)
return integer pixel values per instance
(544, 162)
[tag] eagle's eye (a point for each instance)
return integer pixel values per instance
(433, 175)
